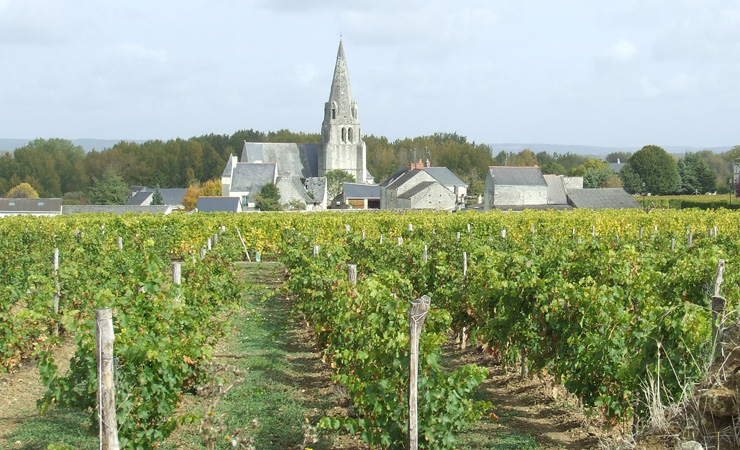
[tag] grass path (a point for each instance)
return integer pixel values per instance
(274, 374)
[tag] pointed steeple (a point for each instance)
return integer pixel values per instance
(342, 146)
(341, 91)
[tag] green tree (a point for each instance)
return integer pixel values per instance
(631, 180)
(23, 190)
(656, 168)
(335, 180)
(110, 190)
(157, 199)
(268, 198)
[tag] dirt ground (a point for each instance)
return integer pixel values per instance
(21, 388)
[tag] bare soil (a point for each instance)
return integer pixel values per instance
(20, 389)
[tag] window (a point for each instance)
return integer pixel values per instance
(11, 203)
(344, 135)
(349, 137)
(41, 203)
(333, 113)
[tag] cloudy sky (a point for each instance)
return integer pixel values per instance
(591, 72)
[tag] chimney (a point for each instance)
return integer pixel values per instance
(419, 165)
(428, 164)
(411, 166)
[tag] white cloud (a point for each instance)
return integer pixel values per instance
(620, 52)
(305, 74)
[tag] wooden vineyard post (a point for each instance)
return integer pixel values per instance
(465, 264)
(56, 292)
(208, 244)
(202, 254)
(215, 239)
(718, 302)
(673, 245)
(120, 243)
(104, 337)
(244, 246)
(400, 241)
(352, 273)
(177, 276)
(417, 314)
(425, 257)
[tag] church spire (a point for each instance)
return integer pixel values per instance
(341, 91)
(341, 139)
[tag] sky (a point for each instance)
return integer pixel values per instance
(623, 73)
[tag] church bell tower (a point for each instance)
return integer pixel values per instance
(342, 146)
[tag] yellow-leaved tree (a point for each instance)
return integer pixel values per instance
(23, 190)
(211, 188)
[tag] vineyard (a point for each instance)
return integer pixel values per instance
(604, 302)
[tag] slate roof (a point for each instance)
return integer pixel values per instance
(170, 196)
(517, 176)
(250, 177)
(301, 160)
(139, 198)
(293, 184)
(399, 178)
(229, 166)
(31, 205)
(555, 190)
(317, 187)
(217, 204)
(361, 191)
(445, 177)
(416, 189)
(115, 209)
(173, 196)
(614, 198)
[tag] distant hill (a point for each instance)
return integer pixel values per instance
(87, 144)
(598, 152)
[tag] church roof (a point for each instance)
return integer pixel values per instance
(300, 160)
(250, 177)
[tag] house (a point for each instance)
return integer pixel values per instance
(30, 206)
(297, 169)
(219, 204)
(421, 186)
(518, 188)
(358, 196)
(613, 198)
(515, 187)
(143, 196)
(115, 209)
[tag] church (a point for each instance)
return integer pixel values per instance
(299, 170)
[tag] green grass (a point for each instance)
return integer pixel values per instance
(64, 428)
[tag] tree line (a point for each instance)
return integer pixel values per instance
(57, 168)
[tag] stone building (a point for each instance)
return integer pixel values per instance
(297, 168)
(421, 186)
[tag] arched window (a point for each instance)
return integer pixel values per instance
(344, 135)
(349, 137)
(333, 110)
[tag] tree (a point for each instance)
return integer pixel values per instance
(191, 197)
(23, 190)
(335, 180)
(157, 199)
(654, 167)
(211, 188)
(110, 190)
(695, 175)
(268, 198)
